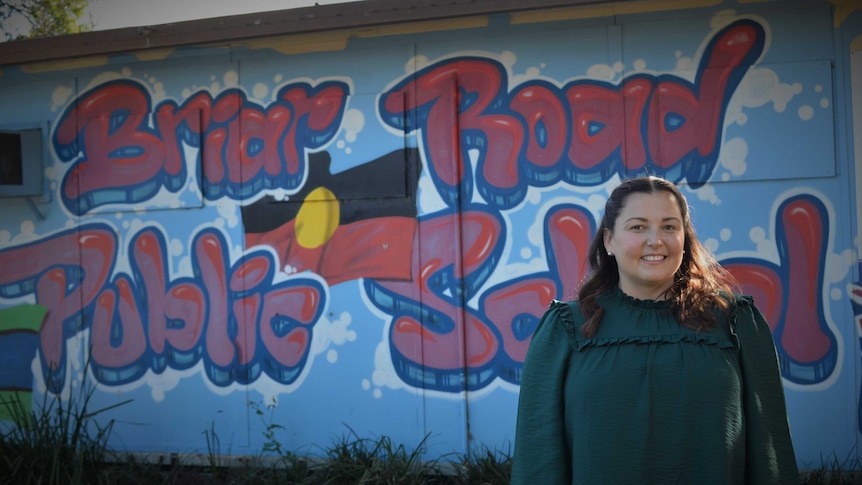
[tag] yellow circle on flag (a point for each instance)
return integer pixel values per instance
(317, 219)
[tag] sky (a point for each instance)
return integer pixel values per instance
(115, 14)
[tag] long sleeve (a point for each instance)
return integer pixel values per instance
(769, 454)
(541, 454)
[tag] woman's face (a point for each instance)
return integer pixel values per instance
(647, 241)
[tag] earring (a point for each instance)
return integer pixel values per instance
(610, 253)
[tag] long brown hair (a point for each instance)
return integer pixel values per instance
(700, 285)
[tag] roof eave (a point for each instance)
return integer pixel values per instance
(237, 28)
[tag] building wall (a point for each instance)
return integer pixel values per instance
(358, 233)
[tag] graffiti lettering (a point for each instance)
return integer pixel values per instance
(789, 293)
(584, 132)
(65, 272)
(124, 152)
(426, 341)
(234, 317)
(453, 326)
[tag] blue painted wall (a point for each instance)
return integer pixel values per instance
(361, 233)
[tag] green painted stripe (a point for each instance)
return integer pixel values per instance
(22, 317)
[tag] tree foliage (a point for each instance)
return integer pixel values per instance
(23, 19)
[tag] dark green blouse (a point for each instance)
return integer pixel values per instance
(647, 401)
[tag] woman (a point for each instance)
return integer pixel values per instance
(657, 374)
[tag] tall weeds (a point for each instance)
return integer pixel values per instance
(484, 467)
(60, 443)
(353, 460)
(833, 471)
(57, 443)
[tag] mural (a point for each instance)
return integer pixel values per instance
(19, 327)
(455, 230)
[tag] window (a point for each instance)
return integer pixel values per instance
(22, 160)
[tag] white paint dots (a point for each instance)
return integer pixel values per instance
(761, 86)
(707, 193)
(722, 18)
(733, 156)
(260, 91)
(508, 58)
(353, 123)
(685, 64)
(758, 236)
(28, 228)
(602, 72)
(231, 79)
(60, 97)
(176, 247)
(415, 64)
(711, 245)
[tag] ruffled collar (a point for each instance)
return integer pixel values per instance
(629, 320)
(616, 295)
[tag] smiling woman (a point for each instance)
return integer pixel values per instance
(658, 361)
(647, 241)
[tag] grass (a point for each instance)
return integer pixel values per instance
(57, 443)
(352, 459)
(60, 443)
(484, 467)
(833, 471)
